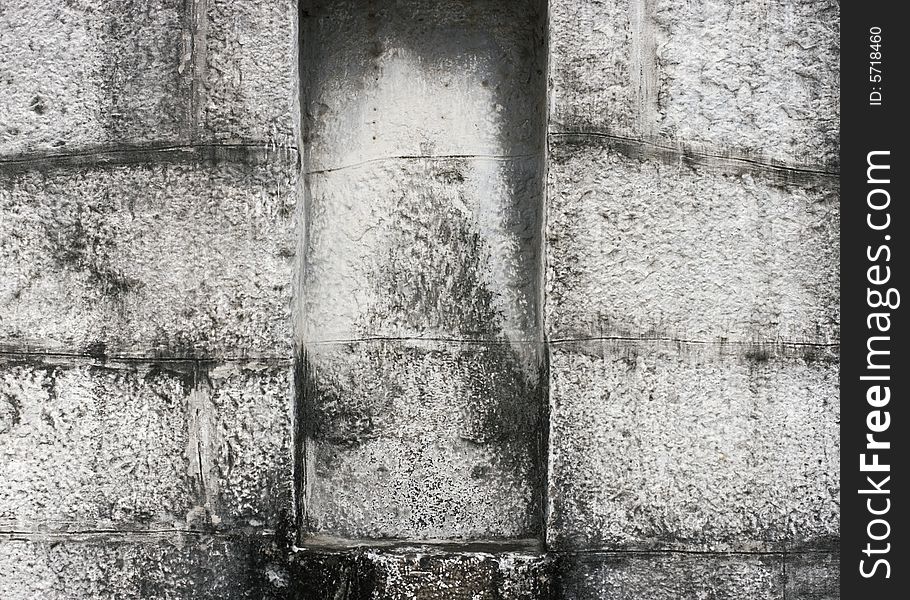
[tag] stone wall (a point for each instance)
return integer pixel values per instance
(419, 299)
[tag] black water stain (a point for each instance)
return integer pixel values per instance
(37, 105)
(81, 248)
(10, 412)
(97, 350)
(430, 274)
(341, 575)
(363, 574)
(757, 355)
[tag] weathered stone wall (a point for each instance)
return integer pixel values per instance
(148, 238)
(424, 410)
(419, 299)
(692, 298)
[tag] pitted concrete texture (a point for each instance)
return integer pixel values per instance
(155, 567)
(422, 78)
(80, 74)
(641, 247)
(204, 357)
(136, 446)
(151, 260)
(747, 77)
(591, 67)
(813, 576)
(596, 576)
(424, 248)
(83, 73)
(246, 421)
(422, 574)
(95, 445)
(248, 86)
(424, 129)
(691, 446)
(425, 142)
(437, 440)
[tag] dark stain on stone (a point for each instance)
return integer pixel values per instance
(303, 410)
(97, 349)
(564, 149)
(451, 176)
(80, 248)
(145, 96)
(340, 404)
(47, 418)
(10, 412)
(49, 383)
(480, 471)
(369, 575)
(503, 404)
(356, 393)
(758, 355)
(37, 105)
(109, 155)
(186, 374)
(330, 575)
(430, 273)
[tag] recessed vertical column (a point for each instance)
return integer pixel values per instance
(423, 397)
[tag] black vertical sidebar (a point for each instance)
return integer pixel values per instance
(875, 374)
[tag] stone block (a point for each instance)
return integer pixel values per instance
(87, 73)
(668, 445)
(641, 247)
(163, 260)
(754, 79)
(434, 440)
(441, 573)
(248, 88)
(145, 567)
(94, 447)
(598, 576)
(249, 432)
(424, 248)
(414, 78)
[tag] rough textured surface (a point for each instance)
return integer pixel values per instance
(190, 566)
(813, 576)
(671, 445)
(149, 222)
(155, 567)
(425, 187)
(424, 131)
(434, 440)
(597, 576)
(93, 445)
(84, 73)
(590, 67)
(167, 260)
(640, 247)
(747, 77)
(249, 86)
(80, 74)
(422, 574)
(249, 432)
(424, 248)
